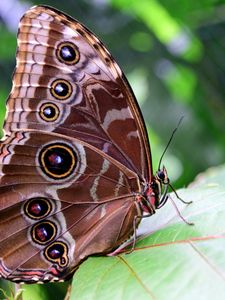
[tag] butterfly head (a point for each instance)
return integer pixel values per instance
(162, 176)
(155, 194)
(162, 182)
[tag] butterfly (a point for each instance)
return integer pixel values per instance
(76, 171)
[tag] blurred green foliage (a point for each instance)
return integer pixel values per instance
(173, 55)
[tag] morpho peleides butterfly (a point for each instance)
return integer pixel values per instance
(76, 171)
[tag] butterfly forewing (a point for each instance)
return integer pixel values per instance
(100, 108)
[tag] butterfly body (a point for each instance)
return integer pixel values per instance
(76, 175)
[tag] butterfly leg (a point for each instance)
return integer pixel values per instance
(163, 201)
(135, 231)
(179, 213)
(166, 196)
(178, 197)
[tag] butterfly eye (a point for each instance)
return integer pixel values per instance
(43, 232)
(68, 53)
(49, 112)
(161, 175)
(61, 89)
(57, 161)
(56, 253)
(37, 208)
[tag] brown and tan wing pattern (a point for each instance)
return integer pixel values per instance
(74, 155)
(86, 97)
(52, 216)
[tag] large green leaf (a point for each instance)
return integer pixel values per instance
(176, 261)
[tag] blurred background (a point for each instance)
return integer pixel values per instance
(172, 53)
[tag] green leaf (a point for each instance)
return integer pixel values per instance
(176, 261)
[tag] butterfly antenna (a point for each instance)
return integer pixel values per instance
(169, 142)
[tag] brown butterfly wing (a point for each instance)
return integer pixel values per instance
(101, 109)
(74, 154)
